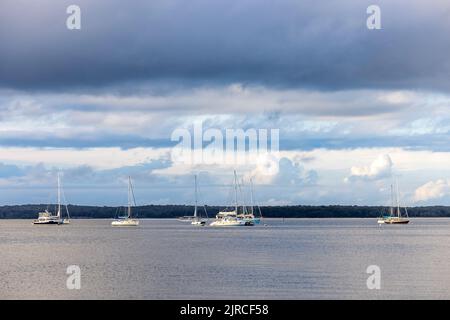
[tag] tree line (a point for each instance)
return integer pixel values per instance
(173, 211)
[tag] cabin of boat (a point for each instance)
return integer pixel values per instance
(249, 219)
(47, 217)
(127, 222)
(227, 219)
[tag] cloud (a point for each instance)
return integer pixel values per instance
(287, 173)
(85, 185)
(432, 190)
(345, 119)
(304, 177)
(97, 158)
(380, 168)
(102, 102)
(99, 186)
(283, 44)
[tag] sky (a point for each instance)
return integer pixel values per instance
(356, 108)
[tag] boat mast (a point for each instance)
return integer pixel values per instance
(59, 197)
(241, 187)
(196, 200)
(129, 197)
(398, 200)
(251, 195)
(235, 193)
(392, 200)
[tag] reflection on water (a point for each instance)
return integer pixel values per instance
(168, 259)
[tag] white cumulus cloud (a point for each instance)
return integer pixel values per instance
(381, 167)
(432, 190)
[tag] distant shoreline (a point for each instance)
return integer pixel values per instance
(173, 211)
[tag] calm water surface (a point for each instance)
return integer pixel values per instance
(168, 259)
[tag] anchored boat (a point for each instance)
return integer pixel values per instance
(46, 217)
(128, 220)
(247, 215)
(230, 218)
(395, 214)
(197, 220)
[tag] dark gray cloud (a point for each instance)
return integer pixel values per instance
(318, 44)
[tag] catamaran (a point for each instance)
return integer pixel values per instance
(197, 220)
(127, 221)
(227, 219)
(230, 218)
(395, 215)
(46, 217)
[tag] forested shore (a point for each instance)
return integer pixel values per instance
(173, 211)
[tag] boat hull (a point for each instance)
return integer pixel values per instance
(125, 223)
(198, 223)
(227, 224)
(229, 219)
(393, 221)
(36, 222)
(397, 222)
(249, 220)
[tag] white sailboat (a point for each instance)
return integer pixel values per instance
(46, 217)
(127, 221)
(229, 218)
(256, 219)
(61, 191)
(395, 215)
(197, 220)
(249, 217)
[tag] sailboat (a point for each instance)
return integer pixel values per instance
(229, 218)
(197, 220)
(249, 217)
(395, 215)
(46, 217)
(127, 221)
